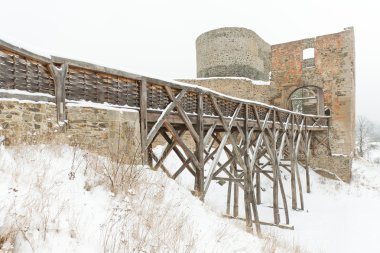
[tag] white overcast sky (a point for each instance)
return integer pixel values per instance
(157, 37)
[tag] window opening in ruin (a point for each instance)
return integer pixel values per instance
(308, 53)
(308, 100)
(308, 58)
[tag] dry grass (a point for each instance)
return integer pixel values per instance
(273, 243)
(148, 227)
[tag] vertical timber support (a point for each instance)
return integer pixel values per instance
(144, 122)
(249, 195)
(248, 175)
(236, 191)
(307, 159)
(258, 187)
(199, 177)
(59, 77)
(293, 165)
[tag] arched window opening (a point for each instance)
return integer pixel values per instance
(308, 100)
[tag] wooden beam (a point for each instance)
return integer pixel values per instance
(143, 121)
(59, 78)
(184, 147)
(163, 116)
(199, 178)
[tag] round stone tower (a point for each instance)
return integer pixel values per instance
(233, 52)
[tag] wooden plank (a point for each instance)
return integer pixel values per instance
(263, 223)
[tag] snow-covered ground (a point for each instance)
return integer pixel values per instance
(59, 199)
(338, 217)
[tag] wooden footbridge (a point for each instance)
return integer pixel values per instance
(259, 140)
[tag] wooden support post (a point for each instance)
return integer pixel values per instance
(229, 189)
(248, 175)
(293, 165)
(143, 121)
(258, 188)
(275, 166)
(59, 77)
(276, 173)
(297, 170)
(150, 156)
(199, 177)
(236, 191)
(307, 159)
(284, 202)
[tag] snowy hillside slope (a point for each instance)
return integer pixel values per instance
(57, 199)
(338, 217)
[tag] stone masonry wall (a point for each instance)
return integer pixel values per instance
(104, 131)
(334, 72)
(237, 87)
(232, 51)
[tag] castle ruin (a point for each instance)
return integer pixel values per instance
(313, 76)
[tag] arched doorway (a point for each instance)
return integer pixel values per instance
(307, 99)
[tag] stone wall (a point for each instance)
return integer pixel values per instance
(334, 72)
(237, 87)
(24, 121)
(107, 131)
(232, 51)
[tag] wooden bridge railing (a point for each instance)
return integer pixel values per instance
(23, 70)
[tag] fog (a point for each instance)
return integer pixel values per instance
(157, 37)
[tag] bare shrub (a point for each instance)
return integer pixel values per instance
(154, 226)
(363, 135)
(7, 238)
(273, 244)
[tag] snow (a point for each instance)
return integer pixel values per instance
(105, 106)
(338, 217)
(252, 81)
(23, 92)
(58, 199)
